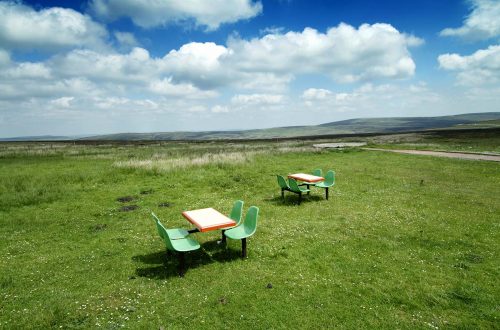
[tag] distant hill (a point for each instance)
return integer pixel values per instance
(37, 138)
(350, 126)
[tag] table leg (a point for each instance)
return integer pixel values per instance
(181, 264)
(223, 239)
(244, 248)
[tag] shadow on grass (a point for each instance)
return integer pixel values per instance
(167, 262)
(294, 199)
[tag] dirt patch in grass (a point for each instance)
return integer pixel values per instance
(146, 191)
(165, 204)
(128, 208)
(98, 227)
(125, 199)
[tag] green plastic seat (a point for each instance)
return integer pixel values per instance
(179, 245)
(237, 212)
(174, 233)
(245, 230)
(235, 215)
(294, 187)
(283, 185)
(317, 172)
(329, 182)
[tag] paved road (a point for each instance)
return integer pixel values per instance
(493, 158)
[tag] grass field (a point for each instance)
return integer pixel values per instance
(404, 241)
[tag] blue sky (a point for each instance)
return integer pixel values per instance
(107, 66)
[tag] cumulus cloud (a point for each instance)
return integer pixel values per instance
(151, 13)
(27, 70)
(126, 39)
(62, 102)
(219, 109)
(345, 53)
(197, 76)
(200, 63)
(480, 68)
(88, 73)
(316, 94)
(269, 63)
(166, 87)
(136, 66)
(482, 23)
(197, 70)
(4, 58)
(22, 27)
(256, 99)
(369, 98)
(257, 103)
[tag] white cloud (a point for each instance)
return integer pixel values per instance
(27, 70)
(272, 30)
(256, 99)
(316, 94)
(482, 23)
(480, 68)
(196, 108)
(151, 13)
(242, 78)
(92, 74)
(199, 63)
(136, 66)
(345, 53)
(209, 66)
(269, 63)
(372, 100)
(22, 27)
(62, 102)
(166, 87)
(126, 39)
(219, 109)
(4, 58)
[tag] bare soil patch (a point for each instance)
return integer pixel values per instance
(128, 208)
(165, 204)
(125, 199)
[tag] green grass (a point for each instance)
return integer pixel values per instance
(404, 241)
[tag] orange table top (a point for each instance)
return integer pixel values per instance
(306, 177)
(208, 219)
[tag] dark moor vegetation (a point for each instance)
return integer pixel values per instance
(404, 241)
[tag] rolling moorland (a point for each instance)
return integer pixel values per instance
(345, 127)
(351, 126)
(403, 242)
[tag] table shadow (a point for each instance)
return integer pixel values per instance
(293, 199)
(166, 262)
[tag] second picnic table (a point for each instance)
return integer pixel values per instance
(308, 179)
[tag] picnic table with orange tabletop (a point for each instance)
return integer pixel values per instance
(207, 219)
(308, 179)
